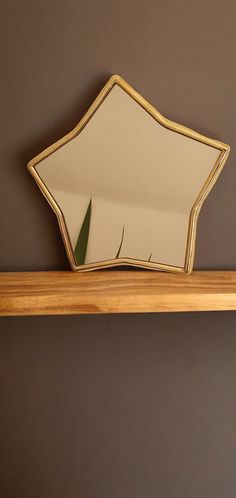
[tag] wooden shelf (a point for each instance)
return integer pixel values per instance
(61, 293)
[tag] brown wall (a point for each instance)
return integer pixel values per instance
(122, 406)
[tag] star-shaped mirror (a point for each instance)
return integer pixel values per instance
(127, 184)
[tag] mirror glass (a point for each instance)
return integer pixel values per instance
(126, 185)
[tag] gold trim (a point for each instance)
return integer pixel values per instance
(171, 125)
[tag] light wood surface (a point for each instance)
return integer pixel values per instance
(55, 293)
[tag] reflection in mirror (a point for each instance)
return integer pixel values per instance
(128, 184)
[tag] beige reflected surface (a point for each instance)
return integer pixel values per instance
(139, 174)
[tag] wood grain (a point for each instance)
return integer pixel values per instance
(59, 293)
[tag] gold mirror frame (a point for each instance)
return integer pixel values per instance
(191, 238)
